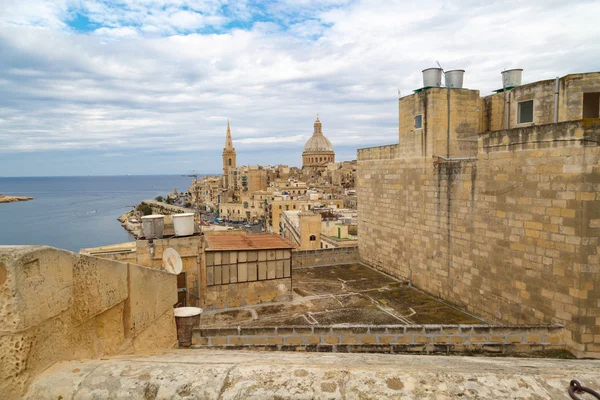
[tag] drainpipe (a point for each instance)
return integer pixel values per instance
(506, 106)
(448, 133)
(556, 100)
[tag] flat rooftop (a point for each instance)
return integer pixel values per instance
(342, 295)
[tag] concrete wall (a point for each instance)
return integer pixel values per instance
(420, 339)
(333, 256)
(512, 235)
(56, 305)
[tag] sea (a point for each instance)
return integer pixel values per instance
(77, 212)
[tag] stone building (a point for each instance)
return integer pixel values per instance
(229, 157)
(493, 203)
(302, 228)
(318, 151)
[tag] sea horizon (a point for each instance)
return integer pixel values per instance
(108, 175)
(76, 212)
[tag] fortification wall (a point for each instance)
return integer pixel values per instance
(56, 306)
(511, 235)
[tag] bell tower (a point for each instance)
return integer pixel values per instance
(228, 157)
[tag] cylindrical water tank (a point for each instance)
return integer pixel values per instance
(454, 78)
(511, 77)
(183, 224)
(153, 226)
(432, 77)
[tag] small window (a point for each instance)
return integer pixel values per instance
(313, 238)
(230, 162)
(418, 122)
(525, 112)
(591, 105)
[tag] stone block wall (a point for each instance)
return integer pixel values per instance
(56, 306)
(420, 339)
(512, 235)
(321, 257)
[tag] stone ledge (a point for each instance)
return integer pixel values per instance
(211, 374)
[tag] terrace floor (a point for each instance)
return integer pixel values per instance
(342, 295)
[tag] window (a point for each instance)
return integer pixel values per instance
(418, 122)
(230, 162)
(525, 112)
(591, 105)
(313, 238)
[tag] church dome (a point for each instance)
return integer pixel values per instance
(318, 144)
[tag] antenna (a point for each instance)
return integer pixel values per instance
(172, 261)
(438, 63)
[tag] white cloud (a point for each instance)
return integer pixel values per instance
(146, 79)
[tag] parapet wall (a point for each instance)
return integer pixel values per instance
(322, 257)
(419, 339)
(56, 306)
(511, 234)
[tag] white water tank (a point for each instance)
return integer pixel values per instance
(511, 77)
(432, 77)
(153, 226)
(183, 224)
(454, 78)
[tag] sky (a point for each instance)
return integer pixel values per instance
(99, 87)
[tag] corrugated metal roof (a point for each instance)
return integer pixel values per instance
(247, 242)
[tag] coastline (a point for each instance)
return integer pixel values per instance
(13, 199)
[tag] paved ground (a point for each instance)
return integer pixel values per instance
(213, 374)
(348, 294)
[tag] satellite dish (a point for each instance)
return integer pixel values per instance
(172, 261)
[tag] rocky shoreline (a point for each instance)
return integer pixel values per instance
(13, 199)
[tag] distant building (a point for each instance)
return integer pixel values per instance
(318, 151)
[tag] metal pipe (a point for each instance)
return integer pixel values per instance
(448, 134)
(556, 100)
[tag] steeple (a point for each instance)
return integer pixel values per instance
(318, 127)
(228, 141)
(229, 157)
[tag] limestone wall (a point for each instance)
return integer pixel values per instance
(512, 235)
(56, 305)
(320, 257)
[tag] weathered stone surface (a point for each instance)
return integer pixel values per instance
(162, 334)
(98, 285)
(56, 306)
(151, 293)
(38, 285)
(258, 375)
